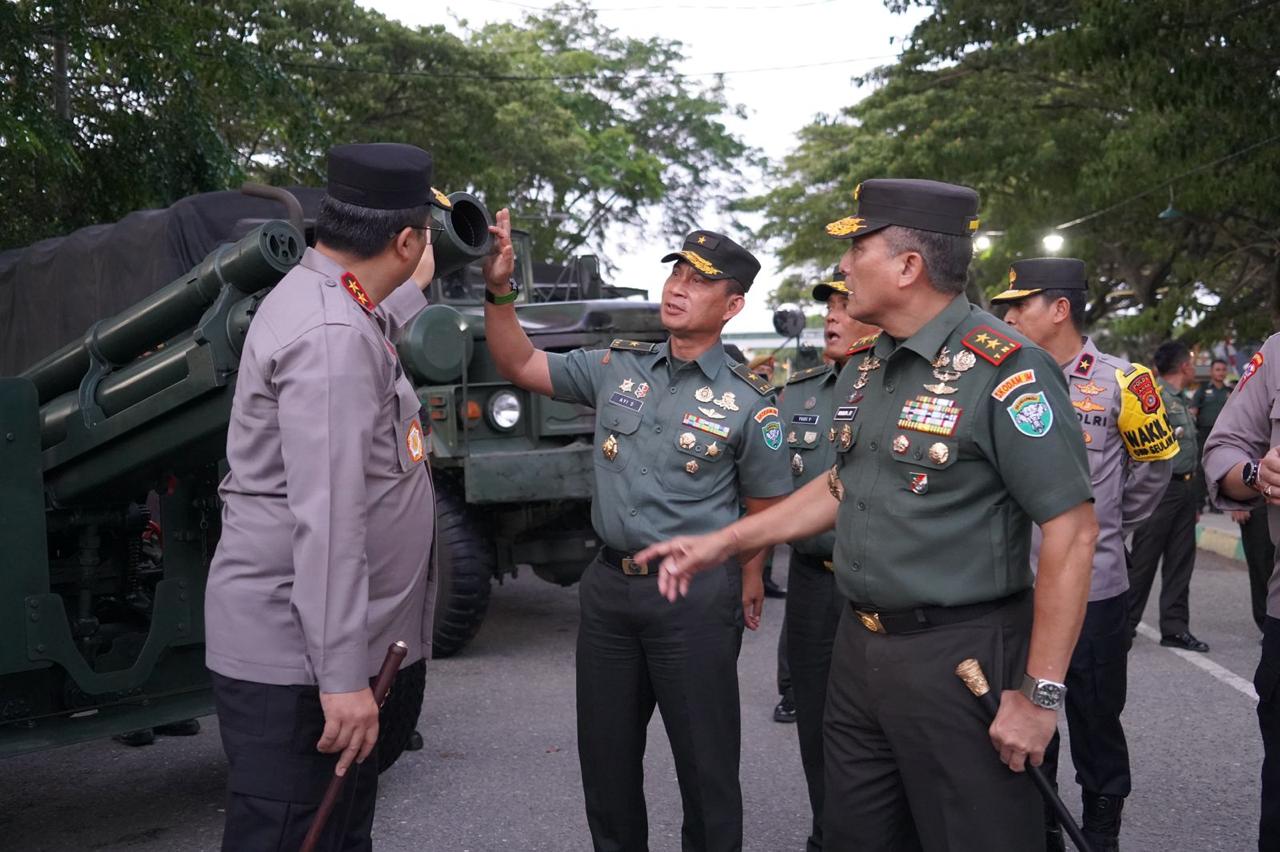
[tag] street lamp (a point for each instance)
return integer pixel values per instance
(1052, 242)
(982, 242)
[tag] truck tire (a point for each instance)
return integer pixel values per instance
(399, 714)
(467, 563)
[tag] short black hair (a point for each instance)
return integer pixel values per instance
(946, 256)
(1170, 355)
(1077, 300)
(364, 231)
(1216, 361)
(734, 287)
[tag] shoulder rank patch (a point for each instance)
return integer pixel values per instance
(761, 386)
(809, 373)
(1084, 366)
(1249, 369)
(352, 285)
(1143, 426)
(990, 345)
(634, 345)
(863, 344)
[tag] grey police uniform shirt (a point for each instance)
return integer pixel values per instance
(1125, 491)
(949, 445)
(673, 453)
(808, 402)
(1246, 430)
(328, 508)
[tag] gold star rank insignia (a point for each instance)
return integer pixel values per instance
(627, 385)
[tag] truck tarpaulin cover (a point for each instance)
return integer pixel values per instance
(53, 291)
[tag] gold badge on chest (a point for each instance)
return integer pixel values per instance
(610, 447)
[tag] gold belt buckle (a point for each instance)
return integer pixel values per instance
(871, 621)
(632, 568)
(829, 565)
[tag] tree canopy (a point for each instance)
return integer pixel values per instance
(1092, 116)
(573, 126)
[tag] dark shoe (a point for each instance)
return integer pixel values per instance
(773, 590)
(785, 711)
(1185, 641)
(136, 739)
(185, 728)
(1102, 821)
(415, 742)
(1053, 841)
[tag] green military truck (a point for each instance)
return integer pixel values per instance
(120, 344)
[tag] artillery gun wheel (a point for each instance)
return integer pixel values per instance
(467, 561)
(399, 715)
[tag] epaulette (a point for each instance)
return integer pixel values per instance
(863, 344)
(1084, 366)
(990, 345)
(809, 373)
(635, 346)
(761, 386)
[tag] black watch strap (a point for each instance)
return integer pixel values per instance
(1250, 474)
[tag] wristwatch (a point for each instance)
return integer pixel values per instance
(1043, 693)
(505, 298)
(1250, 474)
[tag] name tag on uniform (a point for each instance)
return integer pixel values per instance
(846, 412)
(806, 419)
(626, 401)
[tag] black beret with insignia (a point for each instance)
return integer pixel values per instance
(717, 257)
(923, 205)
(1028, 277)
(383, 176)
(823, 291)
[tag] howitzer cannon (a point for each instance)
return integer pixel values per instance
(113, 448)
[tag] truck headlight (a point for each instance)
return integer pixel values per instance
(504, 410)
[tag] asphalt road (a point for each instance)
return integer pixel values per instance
(499, 770)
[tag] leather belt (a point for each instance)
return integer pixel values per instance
(924, 617)
(624, 563)
(1181, 477)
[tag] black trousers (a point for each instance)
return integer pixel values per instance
(1097, 681)
(1260, 556)
(813, 611)
(1265, 681)
(909, 762)
(1168, 535)
(277, 778)
(635, 651)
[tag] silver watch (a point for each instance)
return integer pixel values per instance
(1043, 693)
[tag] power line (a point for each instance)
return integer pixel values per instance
(1166, 183)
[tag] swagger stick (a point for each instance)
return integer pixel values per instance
(970, 671)
(381, 686)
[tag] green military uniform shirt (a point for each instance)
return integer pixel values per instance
(949, 445)
(808, 402)
(1184, 429)
(673, 452)
(1208, 402)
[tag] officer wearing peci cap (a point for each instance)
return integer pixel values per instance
(323, 560)
(813, 605)
(1128, 445)
(953, 435)
(683, 433)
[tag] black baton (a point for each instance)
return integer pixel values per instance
(970, 671)
(381, 686)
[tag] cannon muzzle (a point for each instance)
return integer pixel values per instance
(464, 235)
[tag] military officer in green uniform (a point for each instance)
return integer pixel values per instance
(682, 433)
(954, 435)
(1169, 535)
(813, 605)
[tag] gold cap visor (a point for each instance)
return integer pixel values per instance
(705, 268)
(1014, 295)
(824, 291)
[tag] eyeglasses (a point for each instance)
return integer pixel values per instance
(430, 229)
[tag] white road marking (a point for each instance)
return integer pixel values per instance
(1230, 678)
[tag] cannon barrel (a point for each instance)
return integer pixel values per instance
(256, 261)
(463, 232)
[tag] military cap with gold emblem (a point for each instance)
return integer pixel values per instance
(383, 176)
(923, 205)
(824, 290)
(1036, 274)
(717, 257)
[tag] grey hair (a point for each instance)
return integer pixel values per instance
(946, 256)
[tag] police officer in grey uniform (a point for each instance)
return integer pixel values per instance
(954, 435)
(1242, 470)
(323, 560)
(1167, 539)
(1128, 448)
(813, 604)
(682, 432)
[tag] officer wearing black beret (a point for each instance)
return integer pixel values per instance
(953, 435)
(684, 435)
(323, 558)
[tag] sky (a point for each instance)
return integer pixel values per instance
(837, 39)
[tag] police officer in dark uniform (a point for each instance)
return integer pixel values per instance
(954, 435)
(323, 560)
(813, 604)
(683, 433)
